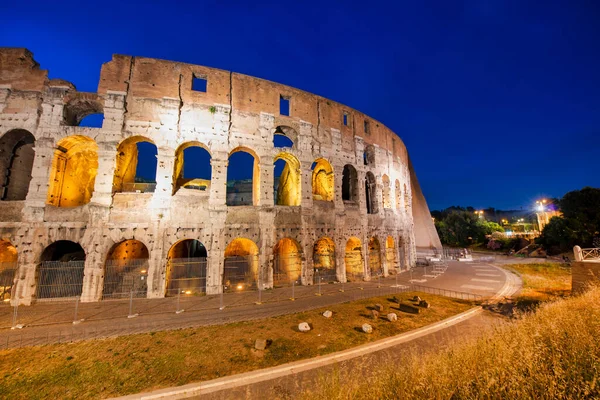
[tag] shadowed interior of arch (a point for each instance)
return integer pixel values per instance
(16, 162)
(240, 265)
(126, 270)
(135, 169)
(375, 257)
(60, 271)
(186, 268)
(349, 184)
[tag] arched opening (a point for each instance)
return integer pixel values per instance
(135, 166)
(73, 173)
(126, 270)
(192, 167)
(353, 259)
(390, 254)
(387, 201)
(60, 272)
(350, 184)
(324, 260)
(92, 121)
(398, 195)
(85, 109)
(287, 262)
(375, 257)
(240, 270)
(186, 268)
(369, 155)
(243, 178)
(286, 182)
(16, 162)
(370, 186)
(322, 180)
(284, 137)
(406, 200)
(8, 269)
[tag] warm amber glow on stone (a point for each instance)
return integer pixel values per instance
(288, 192)
(353, 256)
(324, 254)
(322, 181)
(288, 259)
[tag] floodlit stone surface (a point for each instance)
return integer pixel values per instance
(344, 205)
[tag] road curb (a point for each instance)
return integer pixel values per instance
(233, 381)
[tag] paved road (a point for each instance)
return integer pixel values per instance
(53, 322)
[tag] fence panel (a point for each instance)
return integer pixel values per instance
(60, 279)
(186, 275)
(124, 277)
(8, 271)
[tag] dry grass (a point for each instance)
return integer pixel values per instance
(543, 282)
(130, 364)
(551, 354)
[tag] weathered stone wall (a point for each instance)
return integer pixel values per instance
(154, 99)
(584, 274)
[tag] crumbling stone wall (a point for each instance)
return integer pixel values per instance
(153, 100)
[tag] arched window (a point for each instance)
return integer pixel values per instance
(374, 257)
(349, 184)
(243, 178)
(287, 262)
(322, 180)
(286, 182)
(371, 199)
(126, 270)
(192, 167)
(240, 269)
(324, 260)
(73, 173)
(135, 169)
(398, 195)
(8, 269)
(84, 109)
(387, 201)
(353, 258)
(60, 272)
(16, 163)
(369, 155)
(186, 268)
(284, 137)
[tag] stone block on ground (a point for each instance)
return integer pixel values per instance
(424, 304)
(303, 327)
(374, 314)
(366, 328)
(407, 308)
(379, 307)
(261, 344)
(392, 317)
(416, 298)
(328, 314)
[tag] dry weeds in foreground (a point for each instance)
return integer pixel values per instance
(551, 354)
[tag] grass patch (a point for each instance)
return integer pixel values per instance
(553, 353)
(130, 364)
(543, 281)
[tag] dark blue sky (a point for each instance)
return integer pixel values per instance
(497, 101)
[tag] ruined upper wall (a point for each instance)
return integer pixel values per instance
(147, 79)
(20, 71)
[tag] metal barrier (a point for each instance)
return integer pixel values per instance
(124, 278)
(186, 275)
(60, 279)
(8, 271)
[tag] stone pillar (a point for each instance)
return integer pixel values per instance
(383, 257)
(362, 199)
(214, 268)
(107, 153)
(366, 257)
(218, 180)
(338, 178)
(306, 172)
(40, 174)
(164, 183)
(266, 182)
(340, 262)
(93, 277)
(114, 111)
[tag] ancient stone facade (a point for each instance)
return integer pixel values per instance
(347, 204)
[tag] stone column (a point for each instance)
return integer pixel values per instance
(338, 178)
(40, 174)
(107, 152)
(340, 262)
(306, 172)
(366, 258)
(92, 277)
(362, 199)
(218, 180)
(266, 182)
(161, 200)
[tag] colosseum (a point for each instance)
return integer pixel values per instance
(196, 180)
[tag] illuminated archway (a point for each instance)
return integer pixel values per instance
(192, 167)
(387, 201)
(73, 172)
(243, 178)
(398, 195)
(353, 259)
(126, 270)
(135, 169)
(16, 162)
(324, 259)
(186, 268)
(287, 262)
(390, 254)
(60, 272)
(322, 181)
(286, 180)
(374, 257)
(240, 270)
(8, 269)
(349, 184)
(370, 193)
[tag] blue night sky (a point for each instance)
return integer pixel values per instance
(498, 102)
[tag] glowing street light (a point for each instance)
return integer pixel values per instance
(480, 213)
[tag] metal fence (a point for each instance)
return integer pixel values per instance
(125, 278)
(186, 275)
(60, 279)
(8, 271)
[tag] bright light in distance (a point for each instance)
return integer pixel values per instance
(240, 287)
(188, 292)
(509, 233)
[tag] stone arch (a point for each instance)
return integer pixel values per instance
(240, 265)
(323, 187)
(390, 254)
(387, 201)
(186, 268)
(16, 162)
(287, 261)
(8, 269)
(126, 270)
(324, 259)
(369, 155)
(350, 184)
(371, 193)
(287, 185)
(60, 272)
(80, 106)
(73, 172)
(241, 192)
(198, 177)
(135, 154)
(398, 190)
(353, 259)
(375, 257)
(285, 131)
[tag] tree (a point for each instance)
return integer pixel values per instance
(463, 228)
